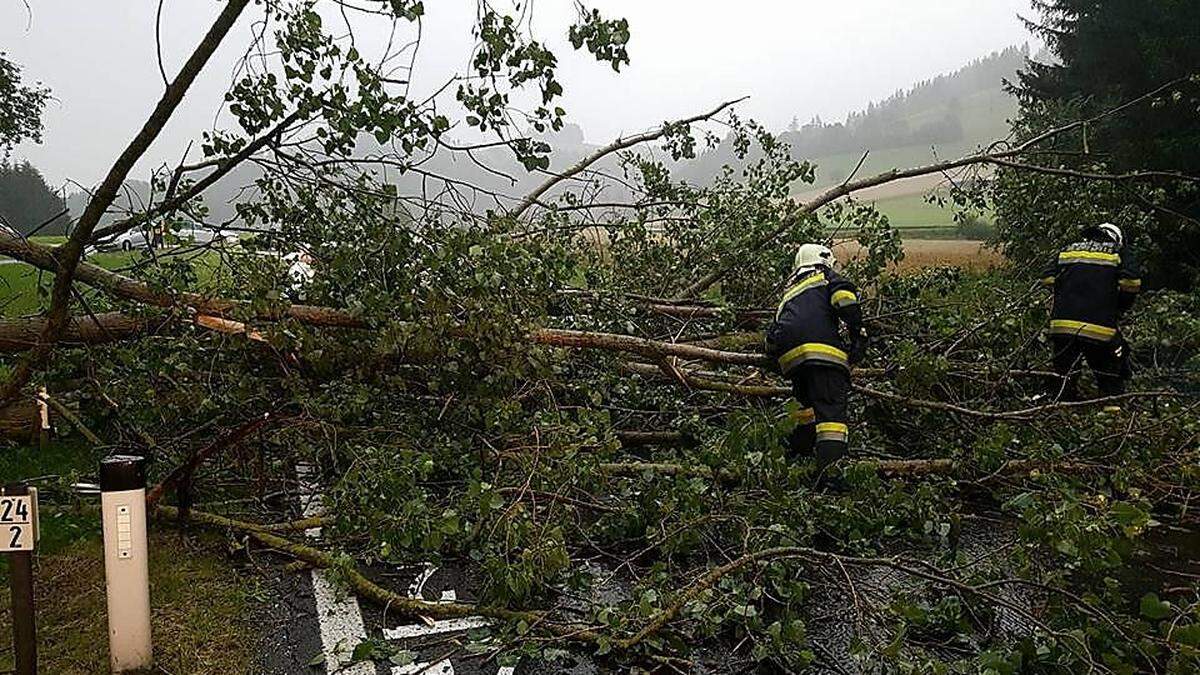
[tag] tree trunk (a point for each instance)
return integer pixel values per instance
(21, 421)
(17, 335)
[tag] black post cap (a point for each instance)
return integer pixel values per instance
(14, 490)
(122, 472)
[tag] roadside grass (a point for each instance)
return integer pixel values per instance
(200, 618)
(25, 290)
(48, 239)
(200, 604)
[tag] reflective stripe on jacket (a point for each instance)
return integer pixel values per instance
(807, 322)
(1094, 283)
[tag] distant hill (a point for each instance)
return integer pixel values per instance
(946, 116)
(954, 113)
(969, 103)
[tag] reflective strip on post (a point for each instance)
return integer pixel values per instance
(126, 562)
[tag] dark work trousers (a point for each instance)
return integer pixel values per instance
(1109, 362)
(823, 392)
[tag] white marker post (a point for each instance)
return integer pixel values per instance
(126, 562)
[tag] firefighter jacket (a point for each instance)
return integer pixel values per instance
(1094, 283)
(806, 330)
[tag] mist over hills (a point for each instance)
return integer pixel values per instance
(945, 116)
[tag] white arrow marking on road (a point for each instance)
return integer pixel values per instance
(338, 614)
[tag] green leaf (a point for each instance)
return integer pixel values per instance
(1129, 514)
(1153, 608)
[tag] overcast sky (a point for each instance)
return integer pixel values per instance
(792, 57)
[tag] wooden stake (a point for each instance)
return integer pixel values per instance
(20, 576)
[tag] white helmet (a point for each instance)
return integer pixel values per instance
(811, 255)
(1112, 232)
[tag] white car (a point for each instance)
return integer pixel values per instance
(201, 236)
(126, 241)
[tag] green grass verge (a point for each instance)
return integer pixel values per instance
(200, 604)
(25, 289)
(48, 239)
(200, 618)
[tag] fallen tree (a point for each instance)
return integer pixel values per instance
(509, 388)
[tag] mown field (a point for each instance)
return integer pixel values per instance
(924, 253)
(24, 289)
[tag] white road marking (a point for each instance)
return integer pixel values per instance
(443, 667)
(338, 614)
(418, 584)
(340, 618)
(438, 627)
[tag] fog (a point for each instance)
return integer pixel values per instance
(792, 58)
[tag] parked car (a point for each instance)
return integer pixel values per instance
(300, 273)
(141, 239)
(126, 241)
(202, 236)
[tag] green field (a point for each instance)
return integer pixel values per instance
(913, 211)
(48, 240)
(24, 289)
(917, 218)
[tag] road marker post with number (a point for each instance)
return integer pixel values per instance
(18, 537)
(126, 562)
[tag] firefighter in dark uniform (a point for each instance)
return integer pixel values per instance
(1094, 282)
(805, 341)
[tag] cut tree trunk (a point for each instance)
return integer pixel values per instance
(21, 421)
(17, 335)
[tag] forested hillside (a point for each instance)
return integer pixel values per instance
(948, 115)
(968, 104)
(27, 204)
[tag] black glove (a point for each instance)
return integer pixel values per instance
(858, 348)
(771, 351)
(772, 364)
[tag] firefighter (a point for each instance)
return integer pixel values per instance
(805, 341)
(1094, 282)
